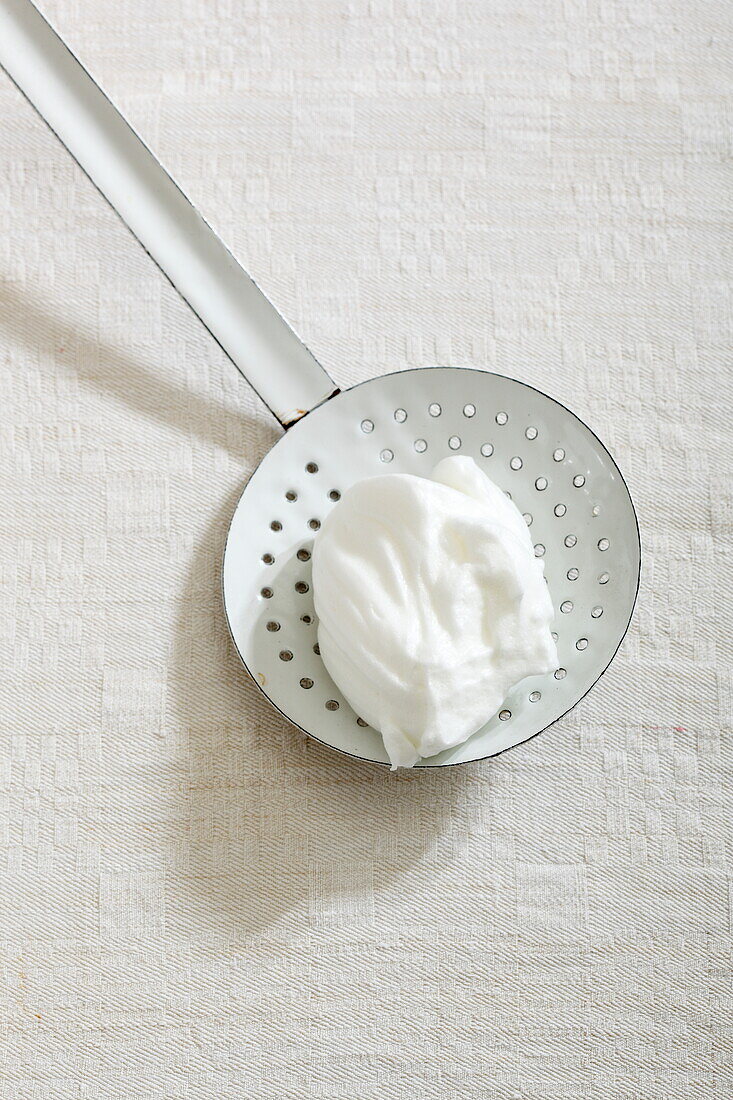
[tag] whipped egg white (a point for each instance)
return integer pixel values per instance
(431, 605)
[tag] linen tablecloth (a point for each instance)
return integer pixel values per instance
(197, 901)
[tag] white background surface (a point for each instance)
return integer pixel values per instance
(196, 900)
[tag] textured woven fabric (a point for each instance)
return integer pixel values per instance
(196, 901)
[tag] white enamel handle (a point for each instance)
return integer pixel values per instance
(239, 316)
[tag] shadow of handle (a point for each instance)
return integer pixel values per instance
(145, 391)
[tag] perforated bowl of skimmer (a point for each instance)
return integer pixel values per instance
(558, 473)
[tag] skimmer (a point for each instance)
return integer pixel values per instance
(570, 490)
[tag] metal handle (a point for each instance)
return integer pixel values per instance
(239, 316)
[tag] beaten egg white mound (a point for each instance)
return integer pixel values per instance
(431, 605)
